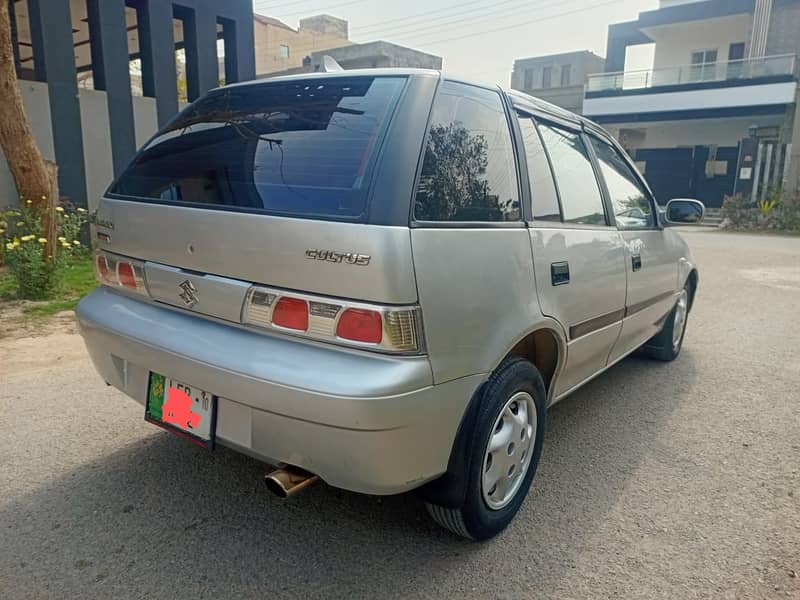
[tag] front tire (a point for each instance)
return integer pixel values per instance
(503, 453)
(667, 345)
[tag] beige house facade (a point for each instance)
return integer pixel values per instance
(280, 47)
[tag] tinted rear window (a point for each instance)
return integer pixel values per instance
(301, 148)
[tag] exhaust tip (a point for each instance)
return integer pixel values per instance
(288, 481)
(275, 486)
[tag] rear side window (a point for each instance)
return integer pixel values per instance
(301, 148)
(581, 199)
(632, 206)
(468, 173)
(543, 190)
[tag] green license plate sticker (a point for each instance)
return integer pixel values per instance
(180, 407)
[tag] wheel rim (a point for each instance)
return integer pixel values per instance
(681, 311)
(509, 451)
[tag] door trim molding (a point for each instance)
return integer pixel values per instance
(583, 329)
(640, 306)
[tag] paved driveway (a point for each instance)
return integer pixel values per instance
(657, 481)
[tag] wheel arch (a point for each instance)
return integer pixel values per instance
(545, 347)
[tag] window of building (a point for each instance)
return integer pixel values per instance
(581, 199)
(528, 79)
(543, 190)
(631, 202)
(704, 66)
(283, 51)
(547, 77)
(468, 173)
(566, 75)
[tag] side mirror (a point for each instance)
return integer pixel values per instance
(684, 212)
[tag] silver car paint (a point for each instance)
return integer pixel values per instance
(597, 287)
(357, 421)
(363, 421)
(265, 249)
(657, 278)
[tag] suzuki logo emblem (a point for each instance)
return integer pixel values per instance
(188, 293)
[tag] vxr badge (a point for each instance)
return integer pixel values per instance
(188, 293)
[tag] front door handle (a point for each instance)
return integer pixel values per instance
(636, 261)
(559, 273)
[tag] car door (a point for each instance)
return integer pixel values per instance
(579, 259)
(650, 262)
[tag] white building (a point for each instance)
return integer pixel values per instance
(717, 113)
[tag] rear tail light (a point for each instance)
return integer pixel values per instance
(380, 328)
(360, 325)
(117, 271)
(291, 313)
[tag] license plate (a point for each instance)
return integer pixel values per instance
(181, 408)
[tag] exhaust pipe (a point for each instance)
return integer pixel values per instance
(289, 480)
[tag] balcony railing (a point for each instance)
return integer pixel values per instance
(754, 68)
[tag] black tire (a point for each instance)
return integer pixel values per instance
(474, 519)
(662, 346)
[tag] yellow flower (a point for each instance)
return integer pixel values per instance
(65, 245)
(76, 242)
(81, 210)
(60, 208)
(44, 197)
(10, 246)
(28, 201)
(27, 238)
(42, 240)
(62, 239)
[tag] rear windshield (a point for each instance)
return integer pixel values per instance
(301, 148)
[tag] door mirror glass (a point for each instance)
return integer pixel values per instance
(685, 212)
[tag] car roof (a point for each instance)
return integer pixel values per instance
(518, 99)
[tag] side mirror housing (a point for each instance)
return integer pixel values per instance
(684, 212)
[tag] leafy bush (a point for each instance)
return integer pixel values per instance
(775, 212)
(38, 276)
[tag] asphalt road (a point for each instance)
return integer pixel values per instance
(657, 481)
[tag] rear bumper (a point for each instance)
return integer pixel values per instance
(368, 423)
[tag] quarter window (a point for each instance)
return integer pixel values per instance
(581, 199)
(468, 173)
(631, 202)
(543, 190)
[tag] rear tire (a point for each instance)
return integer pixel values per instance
(503, 453)
(667, 345)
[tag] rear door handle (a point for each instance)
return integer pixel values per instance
(559, 273)
(636, 261)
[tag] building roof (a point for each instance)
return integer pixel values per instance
(264, 20)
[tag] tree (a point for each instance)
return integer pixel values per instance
(35, 178)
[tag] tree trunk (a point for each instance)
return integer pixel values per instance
(34, 177)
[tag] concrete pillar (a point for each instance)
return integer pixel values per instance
(111, 70)
(54, 60)
(159, 74)
(792, 176)
(200, 41)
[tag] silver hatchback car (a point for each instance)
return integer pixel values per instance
(381, 279)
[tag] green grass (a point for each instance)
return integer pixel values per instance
(77, 282)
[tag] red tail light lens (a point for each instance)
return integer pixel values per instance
(102, 267)
(291, 313)
(360, 325)
(126, 275)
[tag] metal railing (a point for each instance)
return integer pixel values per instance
(753, 68)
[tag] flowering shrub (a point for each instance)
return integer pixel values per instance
(38, 276)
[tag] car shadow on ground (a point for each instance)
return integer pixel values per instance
(163, 518)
